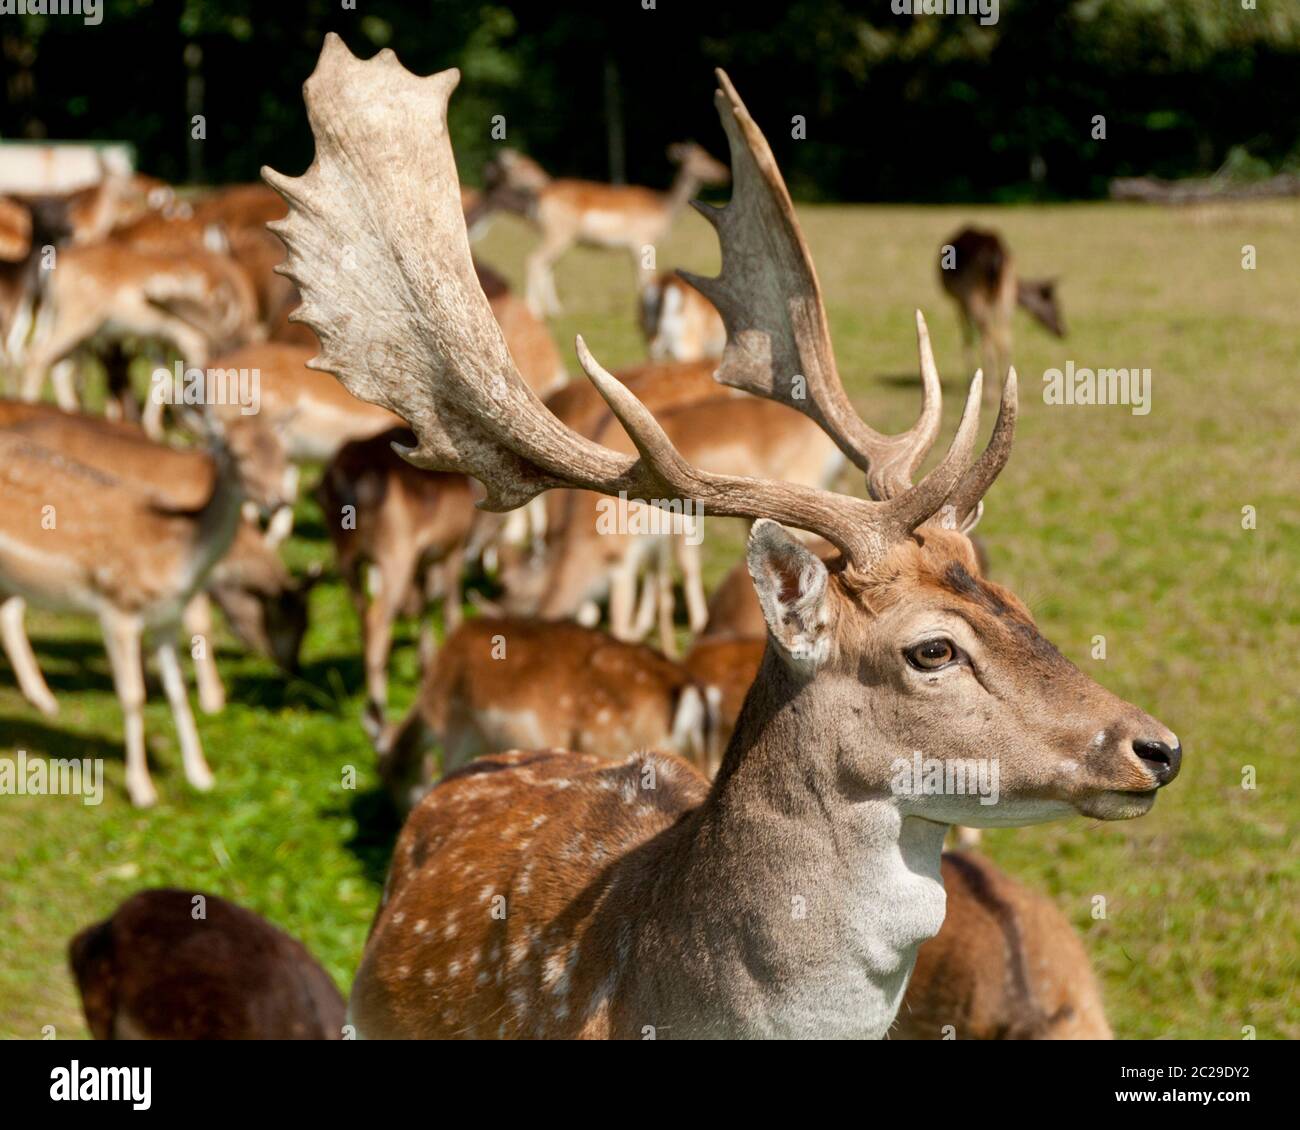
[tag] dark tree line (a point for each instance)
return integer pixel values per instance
(894, 107)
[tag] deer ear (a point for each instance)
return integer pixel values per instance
(791, 583)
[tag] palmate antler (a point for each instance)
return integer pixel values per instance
(378, 247)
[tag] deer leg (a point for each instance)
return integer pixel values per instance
(388, 582)
(18, 649)
(663, 582)
(62, 339)
(688, 561)
(452, 596)
(173, 680)
(197, 621)
(279, 527)
(122, 641)
(645, 610)
(63, 376)
(622, 596)
(539, 273)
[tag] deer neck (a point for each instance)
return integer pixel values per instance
(802, 893)
(217, 520)
(685, 185)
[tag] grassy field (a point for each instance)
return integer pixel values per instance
(1106, 523)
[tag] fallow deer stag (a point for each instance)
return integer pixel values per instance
(545, 893)
(625, 217)
(502, 684)
(981, 279)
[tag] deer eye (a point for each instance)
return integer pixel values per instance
(931, 654)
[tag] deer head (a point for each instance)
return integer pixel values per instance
(1038, 298)
(695, 162)
(898, 646)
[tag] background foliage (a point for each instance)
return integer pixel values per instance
(898, 107)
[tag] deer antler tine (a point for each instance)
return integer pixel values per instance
(926, 428)
(966, 498)
(656, 449)
(923, 501)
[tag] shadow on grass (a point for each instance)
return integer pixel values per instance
(325, 685)
(72, 665)
(955, 385)
(377, 827)
(49, 739)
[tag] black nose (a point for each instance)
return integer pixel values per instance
(1162, 759)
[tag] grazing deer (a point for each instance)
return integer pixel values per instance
(1005, 965)
(179, 965)
(626, 217)
(502, 684)
(678, 322)
(979, 275)
(198, 302)
(74, 538)
(400, 535)
(548, 893)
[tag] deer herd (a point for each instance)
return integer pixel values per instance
(601, 838)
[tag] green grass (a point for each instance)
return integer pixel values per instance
(1105, 523)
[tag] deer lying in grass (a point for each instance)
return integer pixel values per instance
(625, 217)
(788, 898)
(1005, 965)
(678, 322)
(400, 535)
(979, 275)
(179, 965)
(265, 605)
(501, 684)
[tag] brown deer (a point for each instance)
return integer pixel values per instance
(265, 605)
(678, 322)
(180, 965)
(400, 535)
(501, 684)
(198, 302)
(978, 272)
(1005, 965)
(75, 539)
(549, 893)
(626, 217)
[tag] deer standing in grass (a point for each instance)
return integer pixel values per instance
(400, 535)
(614, 216)
(978, 272)
(552, 894)
(266, 606)
(76, 539)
